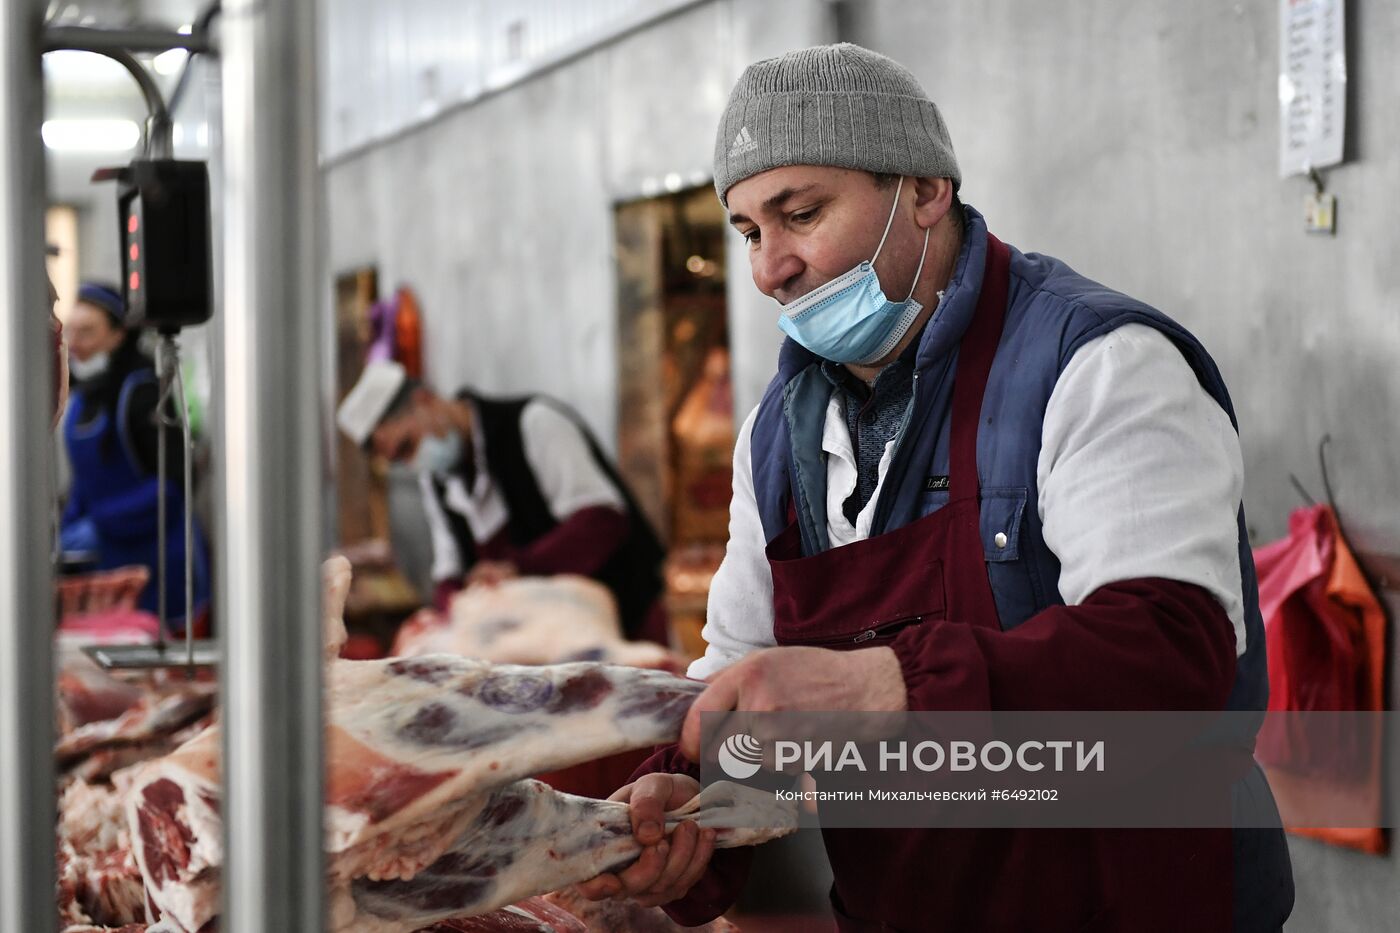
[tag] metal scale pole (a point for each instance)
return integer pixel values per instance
(273, 476)
(272, 472)
(26, 490)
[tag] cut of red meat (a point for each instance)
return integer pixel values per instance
(430, 815)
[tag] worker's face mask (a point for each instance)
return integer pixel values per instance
(849, 319)
(94, 365)
(439, 455)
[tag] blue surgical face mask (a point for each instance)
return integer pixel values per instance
(849, 319)
(439, 455)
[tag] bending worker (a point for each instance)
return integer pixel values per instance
(996, 485)
(111, 435)
(511, 486)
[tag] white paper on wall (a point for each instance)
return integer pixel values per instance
(1312, 84)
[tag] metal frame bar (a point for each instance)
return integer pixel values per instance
(128, 40)
(26, 489)
(274, 473)
(273, 479)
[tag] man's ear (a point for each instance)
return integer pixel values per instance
(933, 197)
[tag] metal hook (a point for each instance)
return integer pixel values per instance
(1331, 497)
(1316, 177)
(1298, 485)
(1322, 462)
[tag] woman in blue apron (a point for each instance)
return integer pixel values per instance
(110, 434)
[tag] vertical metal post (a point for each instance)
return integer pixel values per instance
(273, 472)
(26, 490)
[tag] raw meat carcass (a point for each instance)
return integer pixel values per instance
(529, 838)
(100, 764)
(98, 881)
(531, 620)
(120, 720)
(109, 723)
(155, 717)
(541, 620)
(425, 761)
(414, 747)
(86, 693)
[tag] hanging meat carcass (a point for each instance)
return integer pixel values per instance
(428, 813)
(529, 838)
(107, 723)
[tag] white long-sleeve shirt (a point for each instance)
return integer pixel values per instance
(568, 476)
(1140, 475)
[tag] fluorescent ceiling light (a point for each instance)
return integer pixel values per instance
(72, 65)
(91, 135)
(170, 61)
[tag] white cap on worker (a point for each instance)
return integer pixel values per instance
(369, 401)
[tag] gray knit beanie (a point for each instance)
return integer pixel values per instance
(839, 105)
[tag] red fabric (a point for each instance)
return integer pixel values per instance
(444, 590)
(657, 625)
(408, 333)
(582, 544)
(497, 548)
(1315, 604)
(1326, 651)
(1147, 644)
(818, 601)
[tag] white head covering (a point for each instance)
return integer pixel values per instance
(369, 401)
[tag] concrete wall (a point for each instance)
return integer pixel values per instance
(500, 214)
(1136, 140)
(1139, 142)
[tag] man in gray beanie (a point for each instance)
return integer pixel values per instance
(978, 481)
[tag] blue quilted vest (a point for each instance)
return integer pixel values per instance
(1051, 312)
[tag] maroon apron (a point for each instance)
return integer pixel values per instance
(861, 595)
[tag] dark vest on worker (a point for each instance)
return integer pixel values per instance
(634, 572)
(1051, 312)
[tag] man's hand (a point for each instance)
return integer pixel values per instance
(667, 868)
(794, 679)
(491, 572)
